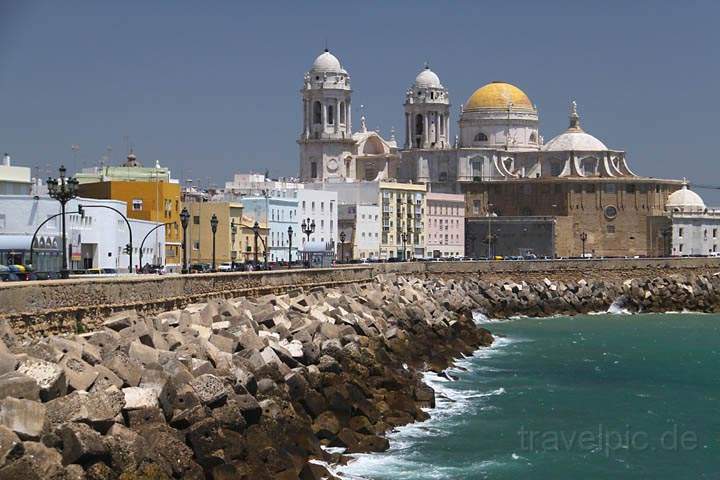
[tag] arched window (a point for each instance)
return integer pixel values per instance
(331, 115)
(442, 125)
(533, 138)
(418, 125)
(556, 167)
(317, 113)
(589, 166)
(508, 164)
(481, 137)
(342, 112)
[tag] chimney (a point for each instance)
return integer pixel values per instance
(6, 159)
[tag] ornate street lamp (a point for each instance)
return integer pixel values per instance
(308, 228)
(342, 247)
(403, 236)
(213, 226)
(184, 220)
(290, 235)
(63, 190)
(583, 238)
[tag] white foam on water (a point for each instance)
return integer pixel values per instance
(453, 406)
(617, 307)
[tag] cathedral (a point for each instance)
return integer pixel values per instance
(576, 192)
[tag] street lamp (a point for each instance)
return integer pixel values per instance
(308, 228)
(489, 237)
(256, 231)
(342, 247)
(213, 226)
(184, 220)
(63, 190)
(233, 230)
(403, 236)
(583, 238)
(290, 234)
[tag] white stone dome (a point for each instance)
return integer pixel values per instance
(327, 62)
(685, 200)
(575, 140)
(427, 78)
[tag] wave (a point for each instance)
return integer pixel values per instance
(453, 406)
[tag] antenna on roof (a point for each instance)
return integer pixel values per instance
(326, 45)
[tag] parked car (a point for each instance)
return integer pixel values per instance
(225, 267)
(199, 268)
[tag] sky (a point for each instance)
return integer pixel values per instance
(212, 88)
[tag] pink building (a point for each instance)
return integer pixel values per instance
(446, 225)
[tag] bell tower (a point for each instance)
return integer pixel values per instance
(326, 138)
(427, 113)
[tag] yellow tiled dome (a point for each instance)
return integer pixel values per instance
(498, 95)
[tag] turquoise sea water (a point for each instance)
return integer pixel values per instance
(586, 397)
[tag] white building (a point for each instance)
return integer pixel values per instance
(14, 180)
(96, 240)
(361, 224)
(694, 227)
(319, 207)
(445, 225)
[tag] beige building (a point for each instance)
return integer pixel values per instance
(228, 243)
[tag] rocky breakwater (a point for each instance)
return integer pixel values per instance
(231, 389)
(547, 297)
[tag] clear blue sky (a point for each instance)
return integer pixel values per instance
(211, 88)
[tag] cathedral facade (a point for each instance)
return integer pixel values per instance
(499, 160)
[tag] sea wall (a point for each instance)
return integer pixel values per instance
(80, 304)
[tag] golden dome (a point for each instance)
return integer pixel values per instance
(498, 95)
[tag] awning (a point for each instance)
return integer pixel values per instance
(15, 242)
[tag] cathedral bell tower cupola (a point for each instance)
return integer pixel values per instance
(427, 113)
(326, 100)
(326, 133)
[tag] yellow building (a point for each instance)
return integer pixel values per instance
(199, 232)
(150, 194)
(402, 206)
(246, 240)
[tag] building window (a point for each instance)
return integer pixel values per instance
(196, 219)
(476, 207)
(342, 112)
(196, 245)
(137, 204)
(714, 232)
(317, 113)
(313, 170)
(533, 138)
(331, 115)
(681, 248)
(481, 137)
(680, 232)
(611, 229)
(2, 221)
(322, 206)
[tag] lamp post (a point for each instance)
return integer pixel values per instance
(256, 231)
(583, 238)
(308, 227)
(290, 234)
(403, 236)
(342, 247)
(233, 231)
(63, 190)
(213, 226)
(184, 220)
(489, 237)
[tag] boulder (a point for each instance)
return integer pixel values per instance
(38, 462)
(80, 374)
(17, 385)
(140, 397)
(10, 446)
(49, 377)
(81, 443)
(27, 418)
(209, 389)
